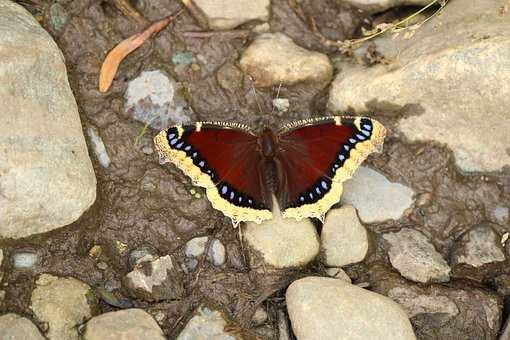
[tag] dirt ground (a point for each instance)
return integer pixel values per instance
(143, 204)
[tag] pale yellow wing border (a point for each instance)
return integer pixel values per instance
(185, 163)
(356, 156)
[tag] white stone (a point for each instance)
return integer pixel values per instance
(196, 246)
(24, 260)
(331, 309)
(415, 257)
(98, 147)
(206, 324)
(128, 324)
(63, 303)
(15, 327)
(161, 282)
(375, 197)
(216, 253)
(283, 242)
(456, 73)
(274, 59)
(224, 15)
(152, 98)
(343, 239)
(46, 177)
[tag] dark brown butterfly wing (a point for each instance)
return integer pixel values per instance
(317, 155)
(224, 159)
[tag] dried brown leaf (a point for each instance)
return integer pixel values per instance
(118, 53)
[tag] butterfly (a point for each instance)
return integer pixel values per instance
(303, 165)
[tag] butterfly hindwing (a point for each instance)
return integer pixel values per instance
(318, 155)
(220, 158)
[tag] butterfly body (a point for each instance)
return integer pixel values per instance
(303, 165)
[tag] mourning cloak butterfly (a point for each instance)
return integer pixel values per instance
(303, 165)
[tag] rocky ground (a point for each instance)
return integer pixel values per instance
(99, 241)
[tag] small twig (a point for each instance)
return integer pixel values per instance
(128, 10)
(347, 45)
(230, 34)
(118, 53)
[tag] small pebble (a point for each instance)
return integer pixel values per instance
(338, 273)
(260, 316)
(98, 147)
(24, 260)
(147, 150)
(96, 251)
(196, 246)
(183, 58)
(216, 253)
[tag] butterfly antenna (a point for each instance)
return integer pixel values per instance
(277, 97)
(256, 94)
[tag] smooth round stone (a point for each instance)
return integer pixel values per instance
(123, 324)
(343, 239)
(283, 242)
(273, 59)
(225, 15)
(217, 253)
(331, 309)
(196, 246)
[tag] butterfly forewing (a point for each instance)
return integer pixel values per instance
(223, 159)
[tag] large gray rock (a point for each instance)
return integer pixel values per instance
(224, 15)
(63, 303)
(15, 327)
(123, 324)
(375, 197)
(46, 176)
(415, 257)
(344, 239)
(273, 58)
(455, 68)
(324, 308)
(283, 242)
